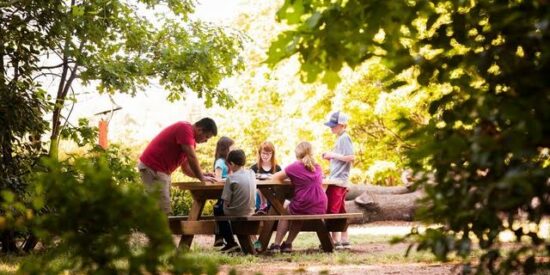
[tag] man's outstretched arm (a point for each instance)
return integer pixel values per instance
(192, 167)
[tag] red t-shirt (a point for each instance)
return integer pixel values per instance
(164, 153)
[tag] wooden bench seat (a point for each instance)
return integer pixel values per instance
(207, 224)
(289, 217)
(334, 222)
(252, 225)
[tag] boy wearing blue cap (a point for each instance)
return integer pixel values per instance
(341, 158)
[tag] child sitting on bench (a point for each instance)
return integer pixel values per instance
(239, 194)
(309, 196)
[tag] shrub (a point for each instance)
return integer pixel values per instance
(93, 218)
(181, 202)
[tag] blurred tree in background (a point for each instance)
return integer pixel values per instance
(488, 136)
(273, 104)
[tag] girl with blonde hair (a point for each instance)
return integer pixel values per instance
(309, 196)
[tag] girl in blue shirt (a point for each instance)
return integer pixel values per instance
(221, 171)
(223, 147)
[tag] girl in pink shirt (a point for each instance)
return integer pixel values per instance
(309, 197)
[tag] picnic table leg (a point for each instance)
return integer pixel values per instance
(194, 215)
(246, 244)
(324, 236)
(277, 204)
(276, 198)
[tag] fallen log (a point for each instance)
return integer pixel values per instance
(382, 203)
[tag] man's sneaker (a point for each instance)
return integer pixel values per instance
(338, 246)
(286, 247)
(346, 245)
(274, 248)
(230, 248)
(219, 242)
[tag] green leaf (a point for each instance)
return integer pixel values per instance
(331, 78)
(77, 11)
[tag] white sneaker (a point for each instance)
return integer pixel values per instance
(346, 245)
(338, 246)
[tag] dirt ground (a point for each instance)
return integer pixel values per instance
(378, 228)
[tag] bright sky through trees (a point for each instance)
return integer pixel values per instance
(142, 116)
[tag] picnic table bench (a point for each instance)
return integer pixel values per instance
(246, 226)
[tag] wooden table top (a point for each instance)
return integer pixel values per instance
(195, 185)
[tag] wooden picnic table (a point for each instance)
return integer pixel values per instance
(274, 192)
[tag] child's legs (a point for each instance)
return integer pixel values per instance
(336, 237)
(263, 200)
(282, 227)
(336, 196)
(293, 231)
(224, 226)
(258, 200)
(345, 236)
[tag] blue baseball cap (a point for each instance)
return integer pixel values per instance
(337, 118)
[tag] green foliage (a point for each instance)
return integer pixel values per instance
(486, 140)
(102, 43)
(109, 44)
(180, 201)
(22, 101)
(93, 219)
(272, 104)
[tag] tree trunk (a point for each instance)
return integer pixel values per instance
(355, 190)
(380, 203)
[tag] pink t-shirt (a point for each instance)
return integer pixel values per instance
(164, 153)
(309, 196)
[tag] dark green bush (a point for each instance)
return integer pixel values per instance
(93, 221)
(93, 218)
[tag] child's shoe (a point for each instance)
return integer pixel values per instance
(338, 246)
(274, 248)
(258, 245)
(286, 247)
(219, 242)
(230, 248)
(346, 245)
(260, 212)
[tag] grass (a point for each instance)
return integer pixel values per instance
(367, 249)
(9, 264)
(308, 254)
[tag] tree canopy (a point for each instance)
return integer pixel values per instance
(487, 141)
(110, 45)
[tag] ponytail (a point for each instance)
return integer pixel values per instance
(304, 153)
(309, 163)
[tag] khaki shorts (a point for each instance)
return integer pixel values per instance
(157, 182)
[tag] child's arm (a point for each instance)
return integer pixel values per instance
(227, 193)
(345, 151)
(340, 157)
(279, 176)
(226, 203)
(218, 174)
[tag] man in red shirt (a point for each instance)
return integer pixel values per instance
(174, 147)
